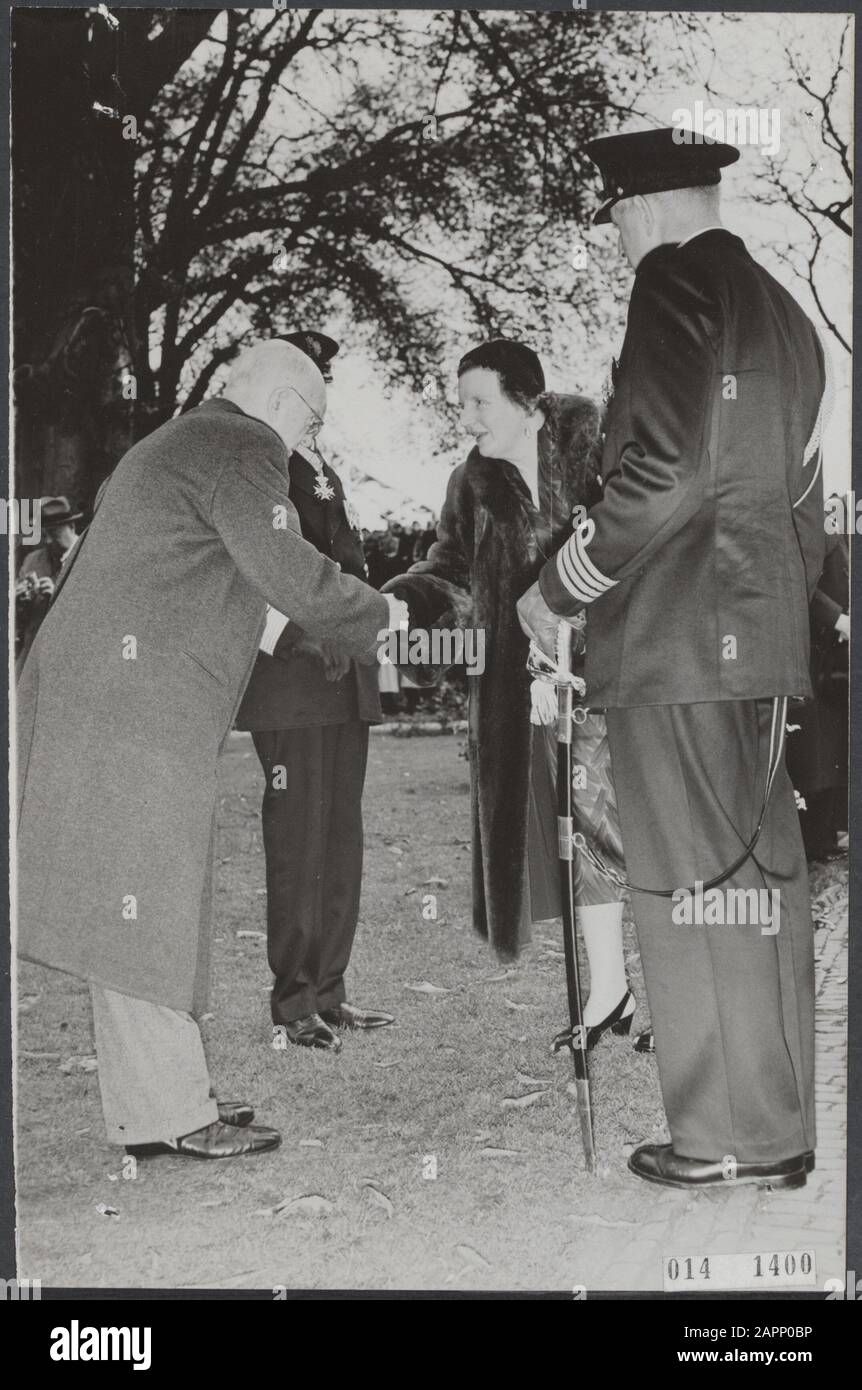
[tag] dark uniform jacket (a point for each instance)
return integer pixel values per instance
(289, 690)
(697, 567)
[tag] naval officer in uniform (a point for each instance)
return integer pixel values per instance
(696, 569)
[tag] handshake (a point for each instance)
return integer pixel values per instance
(335, 663)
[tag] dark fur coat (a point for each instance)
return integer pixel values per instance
(491, 545)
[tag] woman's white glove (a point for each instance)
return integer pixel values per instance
(543, 703)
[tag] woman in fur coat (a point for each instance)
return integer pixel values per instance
(508, 508)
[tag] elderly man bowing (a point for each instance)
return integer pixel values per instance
(127, 694)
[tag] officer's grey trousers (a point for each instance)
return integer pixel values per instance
(732, 1006)
(152, 1070)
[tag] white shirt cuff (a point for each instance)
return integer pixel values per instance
(275, 624)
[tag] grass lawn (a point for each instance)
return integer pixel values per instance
(441, 1153)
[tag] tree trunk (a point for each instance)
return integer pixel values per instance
(73, 254)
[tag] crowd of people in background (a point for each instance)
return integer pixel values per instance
(392, 550)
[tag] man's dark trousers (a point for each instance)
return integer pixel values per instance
(732, 1005)
(312, 833)
(311, 735)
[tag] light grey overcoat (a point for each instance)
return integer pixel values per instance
(132, 684)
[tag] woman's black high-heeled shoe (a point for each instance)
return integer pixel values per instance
(614, 1021)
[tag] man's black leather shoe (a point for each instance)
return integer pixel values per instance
(659, 1164)
(311, 1031)
(217, 1140)
(348, 1016)
(235, 1112)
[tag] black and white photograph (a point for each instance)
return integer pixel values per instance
(429, 528)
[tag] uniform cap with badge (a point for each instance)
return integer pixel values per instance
(655, 161)
(318, 346)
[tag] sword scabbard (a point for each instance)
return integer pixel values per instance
(564, 835)
(564, 714)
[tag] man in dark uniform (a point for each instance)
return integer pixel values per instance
(697, 567)
(308, 708)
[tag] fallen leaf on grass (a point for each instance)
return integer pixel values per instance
(521, 1102)
(379, 1199)
(384, 1065)
(495, 979)
(526, 1080)
(251, 935)
(519, 1008)
(104, 1210)
(472, 1257)
(408, 891)
(604, 1221)
(395, 849)
(500, 1153)
(311, 1204)
(434, 882)
(81, 1063)
(425, 987)
(41, 1056)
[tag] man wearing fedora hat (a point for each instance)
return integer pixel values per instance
(696, 569)
(308, 707)
(41, 568)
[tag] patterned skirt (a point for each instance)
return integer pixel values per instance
(595, 816)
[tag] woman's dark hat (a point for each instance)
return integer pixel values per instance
(507, 356)
(656, 161)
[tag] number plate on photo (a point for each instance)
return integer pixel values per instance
(772, 1269)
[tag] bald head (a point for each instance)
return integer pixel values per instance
(275, 382)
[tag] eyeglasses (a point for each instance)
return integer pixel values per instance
(316, 418)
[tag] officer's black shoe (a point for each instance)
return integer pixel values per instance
(217, 1140)
(311, 1031)
(659, 1164)
(348, 1016)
